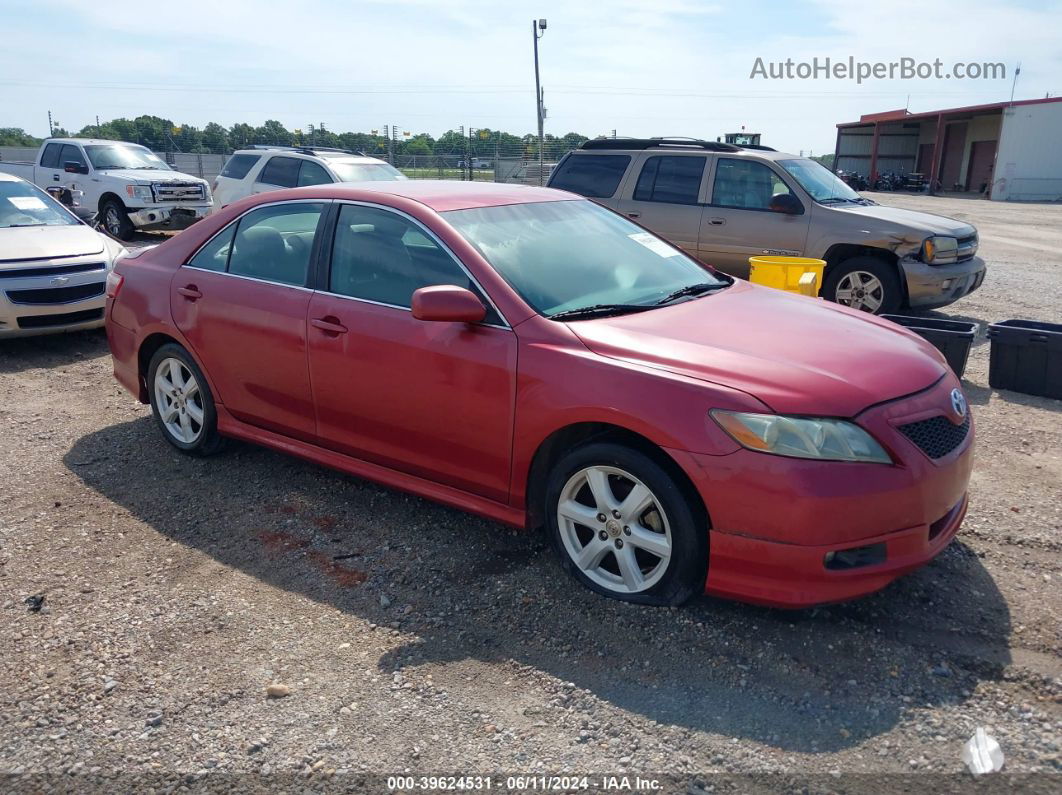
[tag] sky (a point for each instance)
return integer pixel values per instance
(640, 67)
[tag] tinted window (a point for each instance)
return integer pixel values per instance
(237, 166)
(313, 174)
(50, 158)
(672, 179)
(596, 176)
(745, 184)
(274, 243)
(281, 171)
(214, 256)
(71, 154)
(381, 256)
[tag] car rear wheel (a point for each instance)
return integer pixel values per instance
(624, 528)
(865, 283)
(182, 403)
(115, 219)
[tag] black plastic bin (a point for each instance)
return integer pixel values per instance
(1026, 357)
(953, 338)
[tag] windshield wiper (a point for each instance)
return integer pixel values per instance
(690, 290)
(14, 226)
(831, 199)
(599, 310)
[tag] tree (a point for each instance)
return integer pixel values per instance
(273, 132)
(215, 139)
(16, 136)
(241, 136)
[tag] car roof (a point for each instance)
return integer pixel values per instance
(671, 149)
(328, 157)
(442, 195)
(84, 141)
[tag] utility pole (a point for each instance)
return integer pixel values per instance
(391, 144)
(51, 128)
(538, 29)
(469, 156)
(1014, 82)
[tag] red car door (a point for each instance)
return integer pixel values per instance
(427, 398)
(241, 303)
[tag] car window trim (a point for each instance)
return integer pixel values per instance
(776, 172)
(325, 271)
(311, 267)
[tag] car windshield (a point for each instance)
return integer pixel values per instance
(565, 256)
(22, 204)
(365, 172)
(821, 183)
(103, 156)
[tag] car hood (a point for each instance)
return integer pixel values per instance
(146, 177)
(910, 222)
(46, 242)
(797, 355)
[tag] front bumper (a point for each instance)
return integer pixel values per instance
(34, 303)
(775, 519)
(931, 286)
(168, 217)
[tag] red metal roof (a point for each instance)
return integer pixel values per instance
(903, 115)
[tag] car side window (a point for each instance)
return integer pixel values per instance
(71, 154)
(214, 256)
(312, 173)
(595, 176)
(674, 179)
(280, 171)
(274, 243)
(745, 184)
(380, 256)
(50, 157)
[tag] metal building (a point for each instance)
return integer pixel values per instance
(1007, 150)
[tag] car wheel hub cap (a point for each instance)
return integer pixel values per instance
(861, 290)
(627, 552)
(179, 401)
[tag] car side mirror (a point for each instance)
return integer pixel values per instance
(73, 167)
(447, 303)
(787, 204)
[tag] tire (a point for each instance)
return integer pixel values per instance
(182, 403)
(115, 219)
(652, 554)
(865, 283)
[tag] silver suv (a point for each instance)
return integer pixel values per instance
(265, 168)
(723, 204)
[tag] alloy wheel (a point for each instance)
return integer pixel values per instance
(614, 529)
(113, 221)
(179, 401)
(861, 290)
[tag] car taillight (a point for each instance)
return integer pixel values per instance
(114, 284)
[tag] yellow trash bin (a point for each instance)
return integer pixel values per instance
(787, 273)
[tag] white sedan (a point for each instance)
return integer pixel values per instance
(53, 268)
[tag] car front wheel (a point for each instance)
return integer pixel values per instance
(182, 403)
(624, 528)
(865, 283)
(115, 219)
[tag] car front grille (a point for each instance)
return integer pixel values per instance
(967, 247)
(936, 436)
(56, 295)
(51, 270)
(178, 191)
(65, 319)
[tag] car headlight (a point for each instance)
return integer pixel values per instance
(940, 250)
(801, 437)
(139, 192)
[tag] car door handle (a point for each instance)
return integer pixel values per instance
(634, 215)
(329, 325)
(55, 177)
(717, 221)
(190, 291)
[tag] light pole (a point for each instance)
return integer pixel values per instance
(538, 28)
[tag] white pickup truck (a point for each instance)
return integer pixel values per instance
(130, 186)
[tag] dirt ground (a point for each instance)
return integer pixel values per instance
(414, 638)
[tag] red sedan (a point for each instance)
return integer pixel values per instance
(527, 355)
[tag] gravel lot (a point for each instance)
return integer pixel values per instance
(410, 637)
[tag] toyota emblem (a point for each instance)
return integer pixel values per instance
(958, 403)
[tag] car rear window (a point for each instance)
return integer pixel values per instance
(596, 176)
(237, 166)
